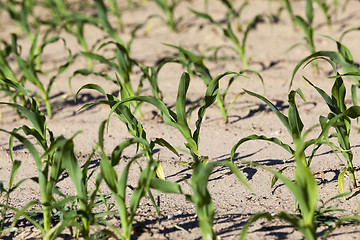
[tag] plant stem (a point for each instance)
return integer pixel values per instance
(48, 106)
(242, 56)
(47, 217)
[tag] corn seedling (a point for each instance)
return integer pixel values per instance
(123, 66)
(178, 120)
(344, 58)
(48, 163)
(294, 126)
(306, 24)
(325, 10)
(240, 45)
(6, 71)
(288, 8)
(305, 191)
(118, 185)
(322, 5)
(168, 9)
(31, 74)
(336, 104)
(117, 13)
(104, 21)
(57, 156)
(71, 21)
(11, 187)
(21, 12)
(195, 65)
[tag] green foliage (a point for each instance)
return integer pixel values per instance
(22, 13)
(337, 107)
(168, 9)
(196, 66)
(228, 32)
(11, 187)
(29, 70)
(50, 169)
(104, 21)
(118, 185)
(305, 191)
(201, 170)
(344, 58)
(55, 156)
(292, 123)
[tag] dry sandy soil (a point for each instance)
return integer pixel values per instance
(266, 49)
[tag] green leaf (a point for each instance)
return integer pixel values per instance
(260, 137)
(165, 186)
(281, 116)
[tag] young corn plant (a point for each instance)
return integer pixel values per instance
(201, 169)
(48, 163)
(104, 22)
(294, 126)
(22, 13)
(72, 21)
(31, 74)
(342, 57)
(306, 24)
(117, 12)
(305, 189)
(228, 32)
(288, 8)
(336, 104)
(340, 119)
(324, 7)
(6, 71)
(305, 192)
(118, 184)
(168, 9)
(57, 156)
(196, 66)
(123, 66)
(11, 188)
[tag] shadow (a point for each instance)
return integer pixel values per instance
(279, 232)
(343, 22)
(238, 220)
(186, 177)
(264, 108)
(274, 231)
(93, 164)
(320, 180)
(354, 195)
(82, 99)
(270, 66)
(338, 235)
(187, 224)
(18, 147)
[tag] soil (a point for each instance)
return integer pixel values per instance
(269, 51)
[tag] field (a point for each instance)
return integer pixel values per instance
(189, 119)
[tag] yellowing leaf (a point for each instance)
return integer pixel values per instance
(160, 172)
